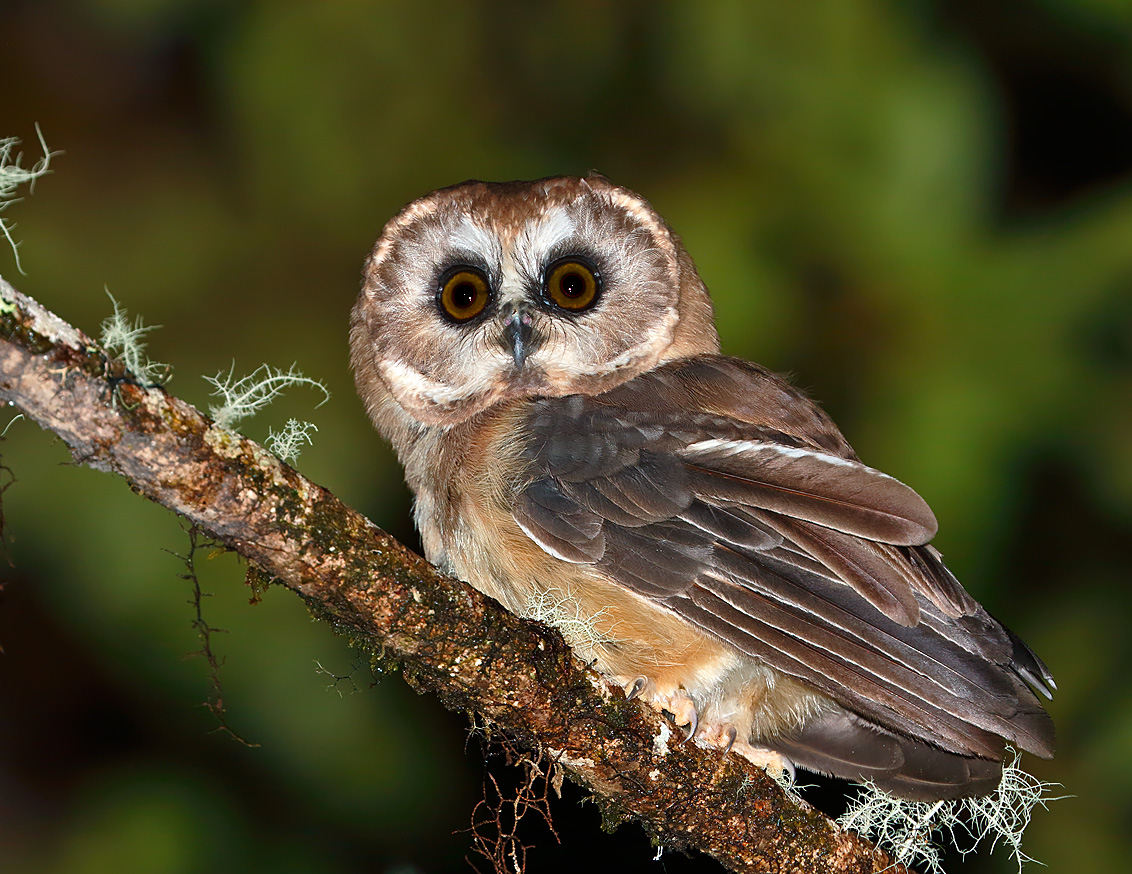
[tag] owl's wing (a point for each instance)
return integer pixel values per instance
(715, 488)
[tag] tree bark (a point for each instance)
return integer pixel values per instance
(446, 637)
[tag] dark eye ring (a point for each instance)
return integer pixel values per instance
(572, 284)
(463, 293)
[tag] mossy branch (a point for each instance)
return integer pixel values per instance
(448, 638)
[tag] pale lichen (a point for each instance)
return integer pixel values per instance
(288, 442)
(244, 396)
(13, 175)
(561, 609)
(123, 339)
(912, 831)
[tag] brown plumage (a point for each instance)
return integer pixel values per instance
(543, 357)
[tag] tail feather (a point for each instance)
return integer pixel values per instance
(844, 745)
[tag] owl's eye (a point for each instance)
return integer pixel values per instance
(572, 285)
(463, 293)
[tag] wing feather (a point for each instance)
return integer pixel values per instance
(878, 694)
(731, 525)
(559, 524)
(836, 492)
(884, 583)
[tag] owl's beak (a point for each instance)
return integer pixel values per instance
(519, 335)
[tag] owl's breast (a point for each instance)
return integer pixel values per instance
(467, 478)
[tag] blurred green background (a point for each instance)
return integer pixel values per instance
(922, 210)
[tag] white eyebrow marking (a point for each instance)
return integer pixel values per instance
(551, 230)
(475, 239)
(540, 237)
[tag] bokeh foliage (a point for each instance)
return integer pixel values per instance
(922, 210)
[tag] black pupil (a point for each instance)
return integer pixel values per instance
(573, 285)
(464, 295)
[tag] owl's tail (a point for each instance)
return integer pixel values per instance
(844, 745)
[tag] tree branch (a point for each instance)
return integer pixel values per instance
(447, 637)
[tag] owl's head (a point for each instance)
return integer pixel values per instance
(484, 292)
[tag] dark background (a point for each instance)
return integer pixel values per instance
(922, 210)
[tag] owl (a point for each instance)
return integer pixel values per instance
(543, 358)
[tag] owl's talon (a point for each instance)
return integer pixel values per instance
(693, 724)
(637, 688)
(732, 734)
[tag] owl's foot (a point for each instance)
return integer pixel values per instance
(726, 737)
(677, 702)
(780, 768)
(718, 735)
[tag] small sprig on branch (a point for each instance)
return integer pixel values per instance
(496, 819)
(205, 631)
